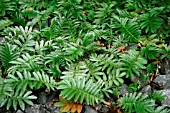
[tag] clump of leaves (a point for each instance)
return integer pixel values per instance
(138, 103)
(157, 96)
(82, 90)
(68, 105)
(134, 87)
(82, 49)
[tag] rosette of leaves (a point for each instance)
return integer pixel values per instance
(132, 63)
(82, 90)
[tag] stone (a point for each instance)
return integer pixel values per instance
(124, 89)
(32, 109)
(36, 109)
(131, 46)
(51, 96)
(89, 109)
(167, 85)
(42, 98)
(53, 109)
(166, 93)
(56, 110)
(167, 41)
(162, 80)
(1, 39)
(1, 110)
(165, 67)
(146, 90)
(7, 111)
(98, 106)
(19, 111)
(105, 109)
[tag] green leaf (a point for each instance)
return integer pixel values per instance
(89, 92)
(21, 104)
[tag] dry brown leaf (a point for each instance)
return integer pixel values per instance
(67, 107)
(60, 97)
(79, 108)
(84, 13)
(152, 77)
(71, 106)
(74, 108)
(124, 51)
(120, 48)
(118, 111)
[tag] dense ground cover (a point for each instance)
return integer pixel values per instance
(86, 51)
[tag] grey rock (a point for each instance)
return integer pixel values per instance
(146, 90)
(42, 98)
(131, 46)
(167, 40)
(167, 85)
(166, 101)
(51, 96)
(56, 110)
(36, 109)
(1, 39)
(48, 111)
(53, 109)
(134, 78)
(1, 110)
(98, 106)
(124, 89)
(162, 80)
(32, 109)
(105, 109)
(165, 67)
(89, 109)
(19, 111)
(7, 111)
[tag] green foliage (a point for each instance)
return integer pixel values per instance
(33, 80)
(26, 62)
(114, 78)
(136, 103)
(18, 98)
(5, 23)
(107, 62)
(7, 54)
(133, 4)
(157, 96)
(5, 6)
(85, 50)
(150, 52)
(165, 52)
(44, 15)
(134, 87)
(129, 29)
(82, 90)
(104, 13)
(151, 20)
(151, 67)
(13, 98)
(161, 109)
(132, 63)
(5, 89)
(145, 77)
(87, 69)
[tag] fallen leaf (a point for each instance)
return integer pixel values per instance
(79, 108)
